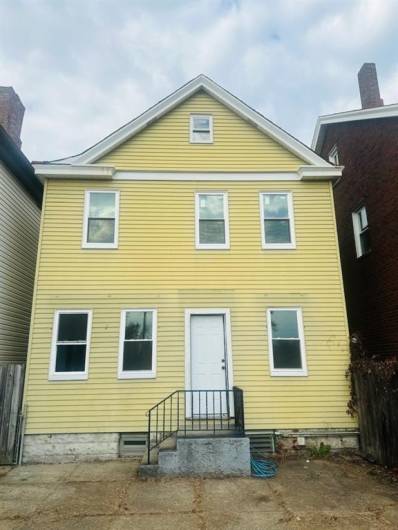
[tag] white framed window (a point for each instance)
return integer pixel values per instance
(211, 220)
(277, 220)
(201, 129)
(137, 349)
(70, 344)
(286, 342)
(361, 232)
(101, 219)
(333, 156)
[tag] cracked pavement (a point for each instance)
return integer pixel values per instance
(319, 494)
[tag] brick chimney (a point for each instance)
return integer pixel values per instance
(369, 86)
(11, 113)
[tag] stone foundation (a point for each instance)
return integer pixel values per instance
(338, 439)
(64, 448)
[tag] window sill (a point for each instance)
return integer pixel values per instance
(64, 376)
(289, 373)
(362, 256)
(287, 246)
(137, 375)
(102, 246)
(212, 247)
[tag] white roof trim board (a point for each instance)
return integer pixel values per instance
(201, 82)
(387, 111)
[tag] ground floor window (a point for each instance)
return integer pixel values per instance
(70, 345)
(286, 342)
(137, 351)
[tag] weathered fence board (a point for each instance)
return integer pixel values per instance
(378, 418)
(11, 389)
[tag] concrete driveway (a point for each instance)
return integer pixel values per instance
(316, 495)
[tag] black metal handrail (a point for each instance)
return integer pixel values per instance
(212, 412)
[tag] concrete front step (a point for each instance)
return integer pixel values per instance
(227, 456)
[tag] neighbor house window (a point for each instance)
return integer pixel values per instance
(212, 231)
(201, 129)
(361, 232)
(334, 156)
(70, 345)
(277, 223)
(286, 342)
(101, 219)
(137, 355)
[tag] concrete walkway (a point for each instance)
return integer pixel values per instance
(99, 496)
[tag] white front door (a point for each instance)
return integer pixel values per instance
(208, 364)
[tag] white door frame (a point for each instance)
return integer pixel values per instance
(228, 342)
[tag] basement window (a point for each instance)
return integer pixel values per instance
(101, 219)
(286, 342)
(137, 350)
(201, 129)
(361, 232)
(70, 345)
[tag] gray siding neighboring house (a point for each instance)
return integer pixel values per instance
(20, 205)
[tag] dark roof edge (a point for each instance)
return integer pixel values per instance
(19, 165)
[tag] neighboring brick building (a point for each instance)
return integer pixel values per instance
(365, 142)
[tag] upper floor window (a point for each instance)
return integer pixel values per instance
(101, 219)
(277, 223)
(70, 345)
(361, 232)
(286, 342)
(334, 156)
(201, 129)
(211, 220)
(137, 354)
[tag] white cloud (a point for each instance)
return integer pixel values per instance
(83, 69)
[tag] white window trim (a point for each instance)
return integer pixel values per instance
(214, 246)
(137, 374)
(191, 137)
(286, 371)
(333, 155)
(86, 244)
(357, 230)
(278, 246)
(69, 376)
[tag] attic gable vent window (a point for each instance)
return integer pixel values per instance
(201, 129)
(334, 156)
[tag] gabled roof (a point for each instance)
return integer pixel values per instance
(387, 111)
(17, 163)
(200, 82)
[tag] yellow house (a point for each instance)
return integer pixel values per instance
(192, 249)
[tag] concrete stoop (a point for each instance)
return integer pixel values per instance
(202, 457)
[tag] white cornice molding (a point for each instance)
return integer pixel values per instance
(388, 111)
(63, 171)
(320, 173)
(93, 172)
(226, 98)
(209, 176)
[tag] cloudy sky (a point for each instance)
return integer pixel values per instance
(84, 67)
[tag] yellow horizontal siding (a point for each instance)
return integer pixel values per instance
(156, 265)
(238, 146)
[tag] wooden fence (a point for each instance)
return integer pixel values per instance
(11, 390)
(378, 417)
